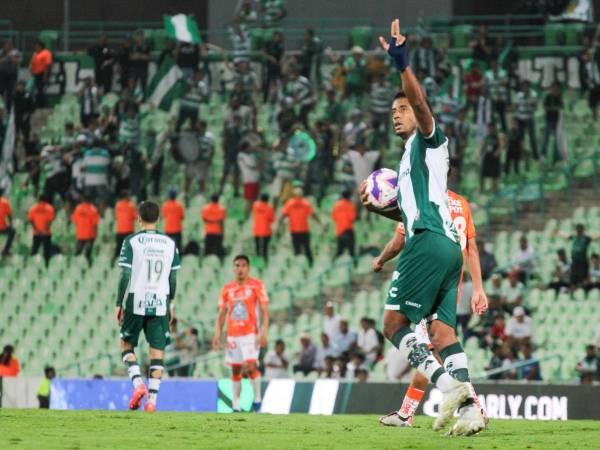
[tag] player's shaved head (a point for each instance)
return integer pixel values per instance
(148, 212)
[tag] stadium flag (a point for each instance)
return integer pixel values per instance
(167, 85)
(182, 28)
(8, 147)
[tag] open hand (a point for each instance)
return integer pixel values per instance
(479, 302)
(394, 33)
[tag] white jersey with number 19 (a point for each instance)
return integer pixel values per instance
(151, 256)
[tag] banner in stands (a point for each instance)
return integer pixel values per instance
(175, 395)
(68, 72)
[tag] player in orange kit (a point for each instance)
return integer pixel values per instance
(460, 213)
(241, 300)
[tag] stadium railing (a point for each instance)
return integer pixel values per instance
(521, 364)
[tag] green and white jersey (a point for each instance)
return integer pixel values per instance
(423, 185)
(151, 256)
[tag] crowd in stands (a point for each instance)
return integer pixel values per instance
(107, 161)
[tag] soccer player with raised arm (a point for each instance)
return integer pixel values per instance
(425, 283)
(460, 212)
(241, 301)
(149, 261)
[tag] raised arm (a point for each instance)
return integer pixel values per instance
(397, 48)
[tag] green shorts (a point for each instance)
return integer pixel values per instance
(425, 282)
(156, 329)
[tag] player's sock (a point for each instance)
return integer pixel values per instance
(410, 403)
(133, 369)
(476, 399)
(455, 362)
(255, 380)
(154, 375)
(421, 358)
(237, 390)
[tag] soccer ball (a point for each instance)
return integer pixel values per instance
(382, 188)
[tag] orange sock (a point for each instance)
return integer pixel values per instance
(410, 403)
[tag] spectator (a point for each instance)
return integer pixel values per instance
(361, 375)
(200, 170)
(125, 217)
(514, 293)
(10, 60)
(303, 94)
(156, 146)
(273, 52)
(490, 155)
(189, 349)
(484, 113)
(497, 332)
(285, 167)
(298, 210)
(324, 351)
(474, 84)
(213, 215)
(328, 370)
(140, 58)
(594, 273)
(397, 367)
(333, 112)
(305, 358)
(320, 169)
(86, 219)
(32, 163)
(233, 132)
(273, 12)
(6, 224)
(514, 147)
(340, 367)
(24, 105)
(483, 49)
(592, 76)
(55, 170)
(40, 66)
(368, 341)
(425, 57)
(310, 56)
(95, 168)
(495, 362)
(497, 83)
(553, 105)
(346, 340)
(363, 160)
(196, 95)
(354, 128)
(9, 364)
(510, 358)
(526, 103)
(264, 216)
(486, 259)
(130, 140)
(561, 276)
(104, 60)
(41, 215)
(524, 260)
(123, 57)
(519, 329)
(380, 103)
(331, 322)
(276, 362)
(187, 56)
(587, 368)
(344, 215)
(250, 170)
(168, 51)
(240, 41)
(43, 392)
(355, 67)
(580, 244)
(530, 372)
(173, 215)
(357, 362)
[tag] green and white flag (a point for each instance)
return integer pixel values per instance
(182, 28)
(167, 85)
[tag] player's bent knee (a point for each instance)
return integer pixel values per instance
(393, 322)
(441, 334)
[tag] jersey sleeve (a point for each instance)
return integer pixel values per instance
(261, 293)
(436, 138)
(470, 232)
(176, 264)
(126, 255)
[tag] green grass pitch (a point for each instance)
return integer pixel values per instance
(81, 430)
